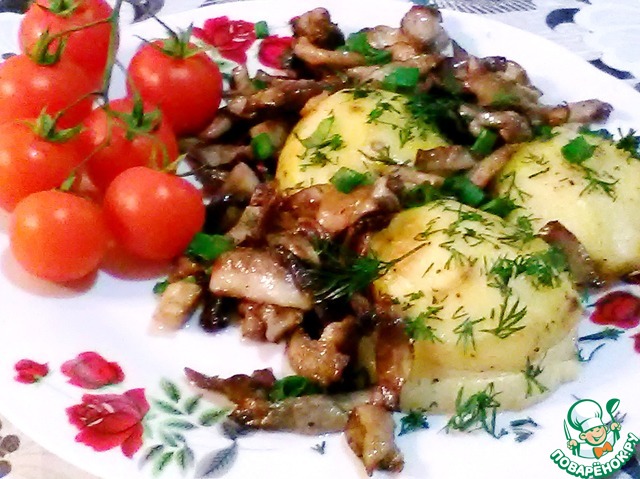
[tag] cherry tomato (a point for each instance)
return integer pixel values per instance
(26, 88)
(153, 214)
(87, 47)
(30, 162)
(186, 86)
(120, 137)
(58, 236)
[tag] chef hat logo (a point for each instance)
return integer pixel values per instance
(584, 415)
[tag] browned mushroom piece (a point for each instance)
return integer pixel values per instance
(587, 111)
(252, 224)
(260, 322)
(257, 275)
(316, 26)
(484, 171)
(512, 127)
(311, 415)
(444, 159)
(369, 433)
(423, 25)
(323, 360)
(316, 56)
(580, 263)
(394, 357)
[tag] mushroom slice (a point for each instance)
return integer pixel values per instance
(369, 433)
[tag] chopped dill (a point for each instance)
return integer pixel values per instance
(543, 268)
(531, 373)
(605, 334)
(414, 420)
(577, 152)
(417, 328)
(629, 143)
(478, 411)
(466, 333)
(523, 233)
(319, 144)
(342, 272)
(508, 319)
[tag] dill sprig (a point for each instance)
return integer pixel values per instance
(413, 421)
(606, 334)
(319, 144)
(522, 234)
(342, 272)
(531, 373)
(417, 328)
(508, 319)
(542, 267)
(478, 411)
(466, 333)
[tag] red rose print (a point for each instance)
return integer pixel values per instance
(274, 51)
(91, 371)
(106, 421)
(636, 342)
(232, 38)
(618, 308)
(29, 372)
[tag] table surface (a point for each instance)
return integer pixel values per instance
(591, 29)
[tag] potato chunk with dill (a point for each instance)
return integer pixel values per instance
(589, 184)
(485, 302)
(364, 130)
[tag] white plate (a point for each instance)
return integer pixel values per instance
(54, 324)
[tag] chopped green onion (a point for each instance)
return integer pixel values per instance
(500, 206)
(293, 386)
(262, 29)
(578, 150)
(358, 43)
(209, 247)
(462, 188)
(262, 146)
(401, 79)
(419, 195)
(543, 132)
(160, 287)
(259, 84)
(320, 134)
(346, 180)
(485, 142)
(602, 132)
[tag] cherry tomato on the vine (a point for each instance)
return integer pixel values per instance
(58, 236)
(153, 214)
(184, 82)
(34, 157)
(27, 87)
(87, 47)
(124, 134)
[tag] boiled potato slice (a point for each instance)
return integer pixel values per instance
(596, 199)
(485, 301)
(359, 129)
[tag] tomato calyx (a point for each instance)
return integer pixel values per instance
(45, 127)
(62, 8)
(138, 121)
(178, 43)
(41, 52)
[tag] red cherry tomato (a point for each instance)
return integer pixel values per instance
(30, 162)
(58, 236)
(88, 47)
(187, 89)
(121, 137)
(153, 214)
(26, 88)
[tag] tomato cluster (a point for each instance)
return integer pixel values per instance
(81, 174)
